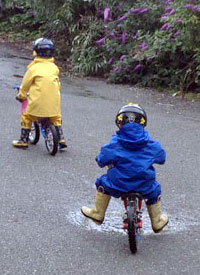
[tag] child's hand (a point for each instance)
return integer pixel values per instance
(110, 166)
(19, 99)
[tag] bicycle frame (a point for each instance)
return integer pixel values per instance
(43, 124)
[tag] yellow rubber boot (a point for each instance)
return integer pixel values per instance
(97, 213)
(20, 144)
(158, 220)
(61, 141)
(23, 141)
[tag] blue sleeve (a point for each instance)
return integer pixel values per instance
(161, 156)
(107, 154)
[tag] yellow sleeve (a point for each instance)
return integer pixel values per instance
(58, 72)
(25, 85)
(59, 85)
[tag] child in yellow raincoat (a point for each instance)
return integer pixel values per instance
(41, 86)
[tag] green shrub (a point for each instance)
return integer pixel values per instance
(153, 43)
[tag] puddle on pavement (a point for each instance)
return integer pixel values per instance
(113, 222)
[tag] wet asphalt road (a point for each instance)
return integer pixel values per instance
(38, 192)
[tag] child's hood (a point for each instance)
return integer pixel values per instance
(133, 136)
(38, 59)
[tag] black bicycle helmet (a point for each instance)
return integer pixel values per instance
(44, 47)
(131, 113)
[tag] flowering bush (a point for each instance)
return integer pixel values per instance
(154, 44)
(182, 37)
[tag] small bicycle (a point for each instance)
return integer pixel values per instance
(49, 133)
(45, 127)
(132, 219)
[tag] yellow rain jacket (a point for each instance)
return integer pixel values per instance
(41, 82)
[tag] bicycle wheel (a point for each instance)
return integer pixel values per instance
(51, 140)
(132, 229)
(34, 134)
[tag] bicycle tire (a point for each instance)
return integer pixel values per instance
(51, 141)
(34, 134)
(132, 229)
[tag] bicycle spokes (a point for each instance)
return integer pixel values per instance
(49, 138)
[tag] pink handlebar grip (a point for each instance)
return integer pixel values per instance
(23, 106)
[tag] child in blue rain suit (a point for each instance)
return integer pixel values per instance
(130, 156)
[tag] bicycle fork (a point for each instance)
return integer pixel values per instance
(136, 204)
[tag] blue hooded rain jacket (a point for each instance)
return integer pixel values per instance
(132, 152)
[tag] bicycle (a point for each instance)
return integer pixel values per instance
(49, 133)
(45, 127)
(132, 219)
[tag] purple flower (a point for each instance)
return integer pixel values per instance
(123, 37)
(178, 33)
(110, 61)
(149, 58)
(168, 9)
(179, 21)
(100, 41)
(119, 38)
(158, 53)
(106, 14)
(143, 46)
(137, 67)
(135, 11)
(169, 13)
(134, 36)
(165, 27)
(112, 35)
(168, 27)
(168, 2)
(164, 16)
(173, 11)
(196, 8)
(122, 18)
(187, 6)
(115, 69)
(122, 57)
(118, 7)
(144, 11)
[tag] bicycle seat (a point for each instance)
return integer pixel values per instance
(131, 194)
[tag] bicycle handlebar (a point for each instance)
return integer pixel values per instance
(16, 87)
